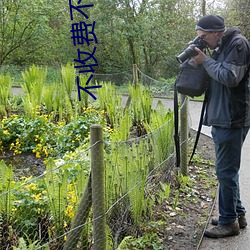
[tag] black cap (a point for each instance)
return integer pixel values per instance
(210, 23)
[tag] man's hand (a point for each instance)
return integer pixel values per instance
(200, 58)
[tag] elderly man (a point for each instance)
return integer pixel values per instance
(228, 112)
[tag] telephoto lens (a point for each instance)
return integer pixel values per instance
(190, 51)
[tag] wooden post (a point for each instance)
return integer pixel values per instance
(80, 218)
(135, 82)
(135, 74)
(98, 195)
(184, 135)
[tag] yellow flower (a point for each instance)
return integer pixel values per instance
(6, 132)
(69, 211)
(38, 155)
(31, 187)
(73, 199)
(37, 196)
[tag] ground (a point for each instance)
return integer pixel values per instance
(196, 200)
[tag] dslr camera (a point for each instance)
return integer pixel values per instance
(190, 51)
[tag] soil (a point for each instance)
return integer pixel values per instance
(25, 164)
(186, 223)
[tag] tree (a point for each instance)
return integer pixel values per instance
(237, 12)
(33, 31)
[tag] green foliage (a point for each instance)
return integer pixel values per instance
(161, 126)
(6, 184)
(68, 74)
(57, 188)
(114, 108)
(30, 245)
(30, 206)
(147, 241)
(128, 161)
(164, 192)
(48, 98)
(126, 172)
(33, 86)
(141, 104)
(5, 89)
(44, 137)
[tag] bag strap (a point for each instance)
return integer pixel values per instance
(199, 127)
(176, 126)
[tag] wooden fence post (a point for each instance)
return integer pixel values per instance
(80, 218)
(184, 135)
(98, 194)
(135, 74)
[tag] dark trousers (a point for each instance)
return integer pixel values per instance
(228, 145)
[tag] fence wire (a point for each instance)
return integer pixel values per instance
(41, 211)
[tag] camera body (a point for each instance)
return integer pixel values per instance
(190, 51)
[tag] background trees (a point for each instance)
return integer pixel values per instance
(149, 33)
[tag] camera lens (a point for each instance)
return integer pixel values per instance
(187, 53)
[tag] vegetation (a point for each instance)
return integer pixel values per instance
(38, 210)
(147, 33)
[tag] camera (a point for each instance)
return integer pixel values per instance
(190, 51)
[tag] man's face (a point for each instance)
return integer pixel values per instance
(211, 38)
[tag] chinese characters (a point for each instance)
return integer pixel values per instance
(84, 34)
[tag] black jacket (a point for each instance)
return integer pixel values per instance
(229, 90)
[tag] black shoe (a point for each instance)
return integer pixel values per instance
(241, 219)
(221, 231)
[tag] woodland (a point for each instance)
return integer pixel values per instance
(148, 33)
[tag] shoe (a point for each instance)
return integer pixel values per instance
(241, 219)
(221, 231)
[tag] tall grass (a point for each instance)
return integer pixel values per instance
(5, 90)
(113, 108)
(33, 86)
(161, 128)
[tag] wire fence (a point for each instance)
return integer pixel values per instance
(42, 209)
(54, 210)
(158, 87)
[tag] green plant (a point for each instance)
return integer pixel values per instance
(5, 90)
(33, 86)
(113, 109)
(68, 74)
(48, 98)
(147, 241)
(161, 128)
(83, 78)
(22, 245)
(30, 208)
(164, 191)
(141, 104)
(6, 196)
(176, 199)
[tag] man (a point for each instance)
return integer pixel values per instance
(228, 112)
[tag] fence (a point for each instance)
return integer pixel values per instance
(53, 210)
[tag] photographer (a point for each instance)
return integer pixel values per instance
(228, 112)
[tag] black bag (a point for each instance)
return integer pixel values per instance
(192, 80)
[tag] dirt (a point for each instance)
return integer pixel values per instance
(186, 223)
(25, 164)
